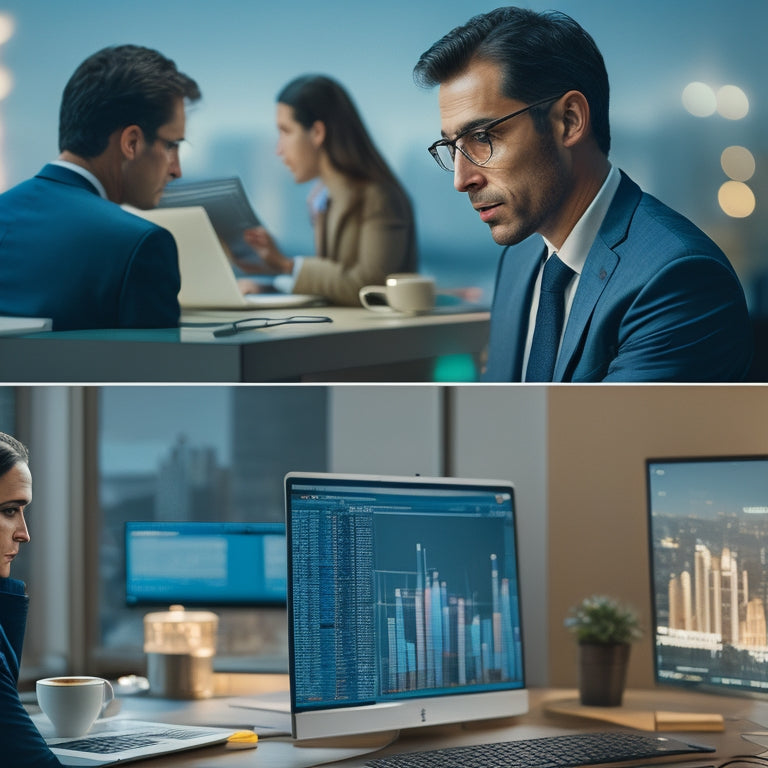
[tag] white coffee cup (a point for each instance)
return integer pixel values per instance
(406, 292)
(72, 703)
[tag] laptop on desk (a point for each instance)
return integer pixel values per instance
(207, 279)
(114, 741)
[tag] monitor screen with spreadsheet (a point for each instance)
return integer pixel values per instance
(403, 602)
(210, 564)
(708, 530)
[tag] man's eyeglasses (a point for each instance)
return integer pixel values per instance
(249, 324)
(474, 143)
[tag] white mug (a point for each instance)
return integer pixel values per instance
(406, 292)
(72, 703)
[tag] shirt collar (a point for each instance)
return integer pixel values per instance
(577, 245)
(85, 173)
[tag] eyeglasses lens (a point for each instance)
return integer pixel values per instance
(445, 156)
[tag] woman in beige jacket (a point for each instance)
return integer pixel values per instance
(363, 220)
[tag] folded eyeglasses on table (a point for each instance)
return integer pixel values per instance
(256, 323)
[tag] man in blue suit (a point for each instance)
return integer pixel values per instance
(600, 281)
(68, 250)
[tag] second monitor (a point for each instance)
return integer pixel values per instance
(206, 564)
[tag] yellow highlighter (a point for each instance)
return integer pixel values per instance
(242, 740)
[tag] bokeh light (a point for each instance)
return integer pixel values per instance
(6, 82)
(7, 27)
(738, 163)
(732, 102)
(736, 199)
(699, 99)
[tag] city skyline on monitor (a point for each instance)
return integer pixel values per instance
(709, 549)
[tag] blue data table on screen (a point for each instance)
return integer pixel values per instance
(211, 564)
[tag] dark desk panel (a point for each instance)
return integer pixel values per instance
(357, 346)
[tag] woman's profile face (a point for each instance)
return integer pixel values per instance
(299, 147)
(15, 495)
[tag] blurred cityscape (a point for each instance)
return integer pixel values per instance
(269, 430)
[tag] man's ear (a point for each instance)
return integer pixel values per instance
(575, 118)
(131, 141)
(317, 133)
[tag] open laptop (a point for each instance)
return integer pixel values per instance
(113, 741)
(207, 279)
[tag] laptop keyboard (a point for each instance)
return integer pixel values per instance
(548, 752)
(108, 744)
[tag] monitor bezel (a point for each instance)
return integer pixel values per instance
(692, 685)
(416, 712)
(258, 528)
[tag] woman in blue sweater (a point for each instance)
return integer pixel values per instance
(20, 742)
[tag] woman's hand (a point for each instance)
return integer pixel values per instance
(273, 259)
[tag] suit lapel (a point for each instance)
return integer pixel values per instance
(512, 305)
(599, 268)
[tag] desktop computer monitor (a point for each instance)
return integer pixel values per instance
(205, 564)
(708, 526)
(403, 603)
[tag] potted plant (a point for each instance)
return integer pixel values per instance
(604, 629)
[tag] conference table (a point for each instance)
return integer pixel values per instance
(336, 344)
(549, 714)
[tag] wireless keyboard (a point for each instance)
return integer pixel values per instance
(566, 751)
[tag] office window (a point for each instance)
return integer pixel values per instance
(197, 454)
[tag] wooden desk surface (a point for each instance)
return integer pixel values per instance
(740, 716)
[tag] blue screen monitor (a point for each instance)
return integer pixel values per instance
(708, 526)
(404, 603)
(205, 564)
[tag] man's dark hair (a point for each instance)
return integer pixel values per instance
(540, 55)
(117, 87)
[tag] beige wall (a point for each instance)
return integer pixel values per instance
(599, 438)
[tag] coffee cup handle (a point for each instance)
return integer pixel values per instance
(109, 697)
(374, 297)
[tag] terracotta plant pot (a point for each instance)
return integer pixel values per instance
(602, 673)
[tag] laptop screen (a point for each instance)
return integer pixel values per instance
(403, 598)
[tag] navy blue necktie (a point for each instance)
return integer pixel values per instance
(549, 320)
